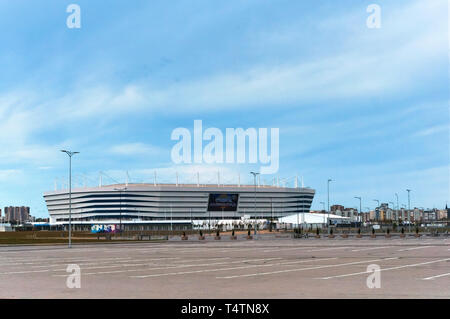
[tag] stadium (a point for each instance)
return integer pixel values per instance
(172, 206)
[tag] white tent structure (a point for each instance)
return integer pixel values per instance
(311, 218)
(288, 221)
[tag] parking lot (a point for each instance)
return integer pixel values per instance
(263, 268)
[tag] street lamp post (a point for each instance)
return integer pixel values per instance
(328, 192)
(271, 212)
(120, 207)
(324, 212)
(223, 219)
(254, 178)
(70, 154)
(359, 206)
(378, 205)
(393, 205)
(409, 211)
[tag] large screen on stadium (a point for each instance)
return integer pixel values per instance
(225, 202)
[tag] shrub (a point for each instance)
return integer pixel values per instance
(248, 232)
(218, 233)
(403, 230)
(359, 231)
(331, 231)
(232, 233)
(387, 231)
(201, 233)
(317, 231)
(373, 231)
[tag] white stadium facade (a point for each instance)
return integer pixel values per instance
(171, 206)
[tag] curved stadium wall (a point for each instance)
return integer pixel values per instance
(149, 203)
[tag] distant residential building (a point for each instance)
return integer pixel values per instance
(441, 214)
(340, 210)
(334, 208)
(366, 216)
(430, 215)
(17, 214)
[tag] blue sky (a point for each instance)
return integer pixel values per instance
(365, 107)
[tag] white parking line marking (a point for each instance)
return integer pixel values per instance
(438, 276)
(61, 260)
(230, 268)
(390, 268)
(334, 248)
(371, 248)
(135, 265)
(75, 261)
(283, 249)
(22, 272)
(302, 269)
(114, 262)
(414, 248)
(176, 266)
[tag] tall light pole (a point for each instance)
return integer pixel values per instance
(271, 212)
(409, 211)
(324, 212)
(396, 195)
(378, 205)
(359, 204)
(298, 218)
(409, 201)
(120, 218)
(328, 191)
(393, 205)
(70, 154)
(171, 219)
(254, 178)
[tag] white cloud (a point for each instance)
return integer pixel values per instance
(386, 62)
(8, 175)
(45, 168)
(433, 130)
(130, 149)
